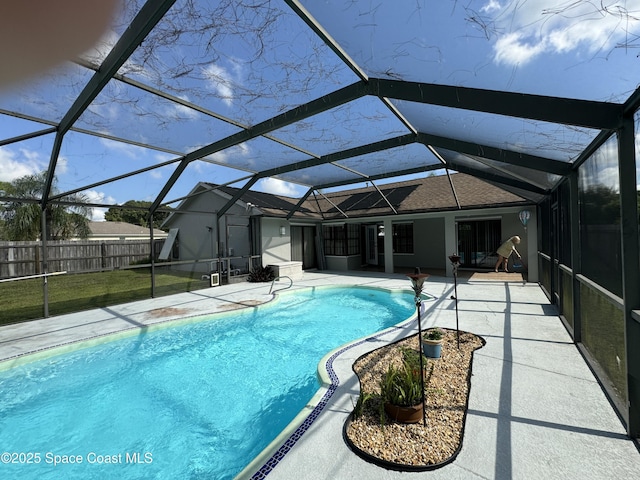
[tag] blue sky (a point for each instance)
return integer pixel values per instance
(573, 49)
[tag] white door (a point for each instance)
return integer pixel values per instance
(372, 245)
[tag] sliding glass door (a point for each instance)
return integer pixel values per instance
(477, 243)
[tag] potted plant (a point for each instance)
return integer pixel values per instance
(401, 391)
(432, 342)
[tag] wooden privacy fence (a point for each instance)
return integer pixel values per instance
(18, 259)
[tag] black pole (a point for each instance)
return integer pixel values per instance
(455, 292)
(417, 280)
(424, 406)
(455, 261)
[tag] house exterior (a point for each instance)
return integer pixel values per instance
(402, 225)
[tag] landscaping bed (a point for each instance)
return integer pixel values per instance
(379, 439)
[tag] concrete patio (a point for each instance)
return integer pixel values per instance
(535, 408)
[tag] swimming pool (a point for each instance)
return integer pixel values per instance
(192, 401)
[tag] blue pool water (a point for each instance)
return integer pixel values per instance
(194, 401)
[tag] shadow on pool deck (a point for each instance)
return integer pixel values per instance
(535, 408)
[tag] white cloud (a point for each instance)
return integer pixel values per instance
(237, 151)
(98, 52)
(15, 165)
(278, 187)
(159, 173)
(122, 148)
(181, 112)
(98, 197)
(62, 165)
(162, 157)
(97, 214)
(93, 196)
(512, 49)
(103, 114)
(156, 174)
(542, 27)
(221, 81)
(492, 6)
(609, 177)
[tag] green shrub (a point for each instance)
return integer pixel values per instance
(261, 274)
(434, 334)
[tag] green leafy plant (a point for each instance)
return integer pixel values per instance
(360, 403)
(434, 334)
(412, 358)
(402, 386)
(261, 274)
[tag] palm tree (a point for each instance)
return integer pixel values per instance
(21, 215)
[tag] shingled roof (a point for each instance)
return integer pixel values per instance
(121, 229)
(271, 205)
(430, 194)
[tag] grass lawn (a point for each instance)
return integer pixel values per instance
(24, 299)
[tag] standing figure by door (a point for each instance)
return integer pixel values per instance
(505, 250)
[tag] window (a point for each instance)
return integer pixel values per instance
(333, 239)
(341, 239)
(353, 239)
(403, 238)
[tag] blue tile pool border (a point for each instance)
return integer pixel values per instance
(286, 447)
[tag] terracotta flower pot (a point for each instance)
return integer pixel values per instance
(411, 414)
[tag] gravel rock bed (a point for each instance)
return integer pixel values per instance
(415, 445)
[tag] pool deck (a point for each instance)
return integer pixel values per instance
(535, 408)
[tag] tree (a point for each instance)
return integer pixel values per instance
(4, 188)
(600, 206)
(22, 219)
(136, 214)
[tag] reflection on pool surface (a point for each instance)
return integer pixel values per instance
(193, 401)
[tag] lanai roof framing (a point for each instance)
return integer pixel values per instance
(510, 163)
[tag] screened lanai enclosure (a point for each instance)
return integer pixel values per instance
(299, 98)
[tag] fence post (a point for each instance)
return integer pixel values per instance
(10, 265)
(103, 255)
(36, 249)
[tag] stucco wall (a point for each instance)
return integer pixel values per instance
(511, 225)
(428, 245)
(275, 248)
(343, 263)
(198, 232)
